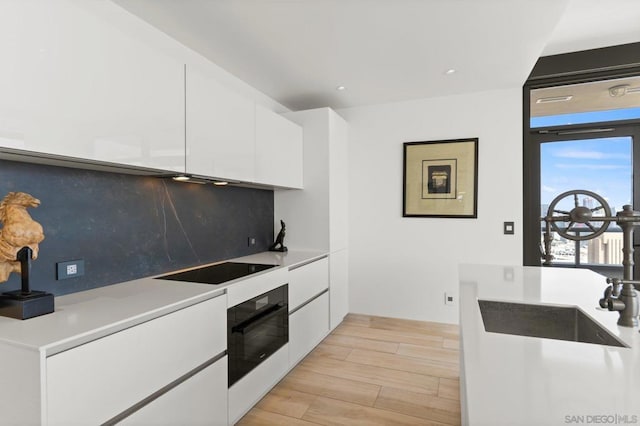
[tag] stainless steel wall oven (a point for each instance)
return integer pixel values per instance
(256, 328)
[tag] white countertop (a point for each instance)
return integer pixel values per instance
(88, 315)
(289, 259)
(516, 380)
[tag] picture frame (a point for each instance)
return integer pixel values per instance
(441, 179)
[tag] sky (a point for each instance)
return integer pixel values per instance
(600, 165)
(585, 117)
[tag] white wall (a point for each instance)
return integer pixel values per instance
(401, 267)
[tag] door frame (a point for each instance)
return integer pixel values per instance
(560, 70)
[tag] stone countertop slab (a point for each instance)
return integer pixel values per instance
(518, 380)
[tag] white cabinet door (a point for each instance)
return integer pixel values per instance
(278, 150)
(86, 79)
(200, 400)
(338, 286)
(338, 182)
(307, 327)
(94, 382)
(220, 128)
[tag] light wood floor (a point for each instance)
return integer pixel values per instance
(371, 371)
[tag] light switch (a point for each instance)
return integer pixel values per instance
(508, 228)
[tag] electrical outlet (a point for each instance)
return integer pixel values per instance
(508, 273)
(70, 269)
(449, 299)
(251, 241)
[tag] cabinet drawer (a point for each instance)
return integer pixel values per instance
(255, 285)
(307, 281)
(247, 391)
(307, 327)
(94, 382)
(200, 400)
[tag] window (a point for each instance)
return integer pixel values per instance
(581, 132)
(600, 165)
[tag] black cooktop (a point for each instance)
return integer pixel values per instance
(217, 274)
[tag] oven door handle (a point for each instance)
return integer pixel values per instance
(251, 323)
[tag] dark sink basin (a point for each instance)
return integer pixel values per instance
(551, 322)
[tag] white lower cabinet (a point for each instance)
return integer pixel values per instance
(200, 400)
(165, 367)
(307, 327)
(338, 286)
(308, 307)
(100, 380)
(246, 392)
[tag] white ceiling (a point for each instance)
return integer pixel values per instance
(298, 51)
(590, 24)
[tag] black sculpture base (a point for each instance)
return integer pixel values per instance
(280, 249)
(20, 305)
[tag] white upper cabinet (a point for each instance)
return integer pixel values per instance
(220, 128)
(278, 159)
(86, 79)
(90, 81)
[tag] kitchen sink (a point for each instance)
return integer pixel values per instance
(547, 321)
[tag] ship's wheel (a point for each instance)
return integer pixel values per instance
(580, 219)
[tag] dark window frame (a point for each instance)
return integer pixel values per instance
(560, 70)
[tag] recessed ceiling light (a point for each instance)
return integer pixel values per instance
(554, 99)
(450, 71)
(619, 90)
(622, 89)
(340, 88)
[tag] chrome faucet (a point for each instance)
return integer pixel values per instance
(621, 296)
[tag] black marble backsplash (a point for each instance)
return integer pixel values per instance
(127, 227)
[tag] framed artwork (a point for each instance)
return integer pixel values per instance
(441, 179)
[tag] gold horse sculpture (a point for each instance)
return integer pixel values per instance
(18, 230)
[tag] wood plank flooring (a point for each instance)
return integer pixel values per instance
(370, 371)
